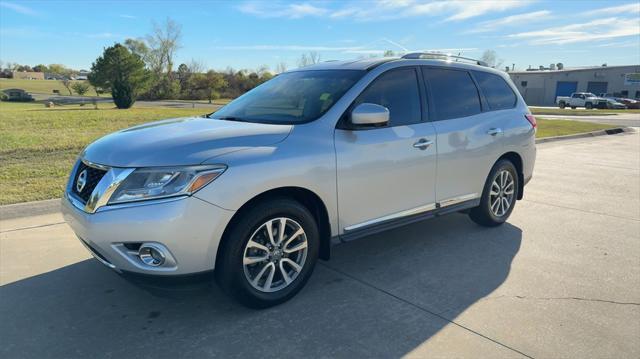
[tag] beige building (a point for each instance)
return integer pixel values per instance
(541, 87)
(27, 75)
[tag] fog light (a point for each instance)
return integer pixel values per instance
(151, 255)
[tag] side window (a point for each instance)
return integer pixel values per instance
(454, 93)
(397, 90)
(497, 92)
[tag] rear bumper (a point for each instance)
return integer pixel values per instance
(188, 228)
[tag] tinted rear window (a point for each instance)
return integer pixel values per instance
(454, 93)
(497, 92)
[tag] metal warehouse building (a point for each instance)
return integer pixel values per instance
(541, 87)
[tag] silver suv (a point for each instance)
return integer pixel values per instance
(262, 188)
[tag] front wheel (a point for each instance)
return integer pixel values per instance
(563, 105)
(498, 196)
(269, 254)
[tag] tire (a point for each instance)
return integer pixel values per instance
(588, 105)
(563, 105)
(486, 214)
(235, 278)
(573, 107)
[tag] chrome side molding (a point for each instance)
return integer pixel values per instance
(414, 211)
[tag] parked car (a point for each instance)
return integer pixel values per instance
(16, 95)
(582, 99)
(260, 189)
(627, 102)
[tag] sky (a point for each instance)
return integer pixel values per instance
(250, 34)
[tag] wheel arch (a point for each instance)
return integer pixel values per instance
(306, 197)
(516, 159)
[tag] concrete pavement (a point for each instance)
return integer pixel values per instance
(560, 280)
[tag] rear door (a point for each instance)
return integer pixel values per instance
(386, 173)
(469, 139)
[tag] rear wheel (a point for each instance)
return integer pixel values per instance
(498, 196)
(588, 105)
(573, 107)
(269, 254)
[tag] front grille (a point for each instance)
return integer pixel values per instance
(93, 176)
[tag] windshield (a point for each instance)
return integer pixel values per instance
(291, 98)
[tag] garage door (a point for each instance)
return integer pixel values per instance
(597, 87)
(566, 88)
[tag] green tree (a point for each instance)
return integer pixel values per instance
(120, 71)
(211, 84)
(80, 87)
(40, 68)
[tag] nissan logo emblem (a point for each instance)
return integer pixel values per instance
(81, 181)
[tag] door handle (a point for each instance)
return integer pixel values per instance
(494, 131)
(423, 144)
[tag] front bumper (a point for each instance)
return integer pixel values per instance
(188, 228)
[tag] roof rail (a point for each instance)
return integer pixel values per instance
(442, 56)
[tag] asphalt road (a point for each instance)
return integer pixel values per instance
(560, 280)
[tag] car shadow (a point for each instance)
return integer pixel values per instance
(380, 296)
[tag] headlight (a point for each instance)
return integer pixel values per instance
(161, 182)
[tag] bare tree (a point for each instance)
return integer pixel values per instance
(309, 59)
(164, 41)
(263, 70)
(388, 53)
(196, 67)
(67, 84)
(281, 67)
(491, 58)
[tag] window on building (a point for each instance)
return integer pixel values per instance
(454, 93)
(497, 92)
(624, 93)
(637, 94)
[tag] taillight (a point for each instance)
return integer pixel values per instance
(532, 120)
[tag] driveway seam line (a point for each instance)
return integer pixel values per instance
(582, 210)
(425, 310)
(32, 227)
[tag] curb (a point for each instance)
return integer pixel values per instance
(28, 209)
(37, 208)
(610, 131)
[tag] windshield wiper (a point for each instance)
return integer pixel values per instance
(231, 118)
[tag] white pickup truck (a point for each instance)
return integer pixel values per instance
(581, 99)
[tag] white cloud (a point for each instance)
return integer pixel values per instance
(278, 9)
(600, 29)
(629, 9)
(21, 9)
(518, 19)
(103, 35)
(454, 10)
(126, 16)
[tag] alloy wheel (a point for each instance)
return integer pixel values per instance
(275, 254)
(502, 193)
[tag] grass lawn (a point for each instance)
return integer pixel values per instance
(41, 86)
(39, 145)
(552, 128)
(578, 112)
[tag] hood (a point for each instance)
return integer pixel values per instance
(178, 142)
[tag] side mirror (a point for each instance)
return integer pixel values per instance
(369, 114)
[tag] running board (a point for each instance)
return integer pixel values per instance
(383, 224)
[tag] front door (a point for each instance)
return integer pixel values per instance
(386, 173)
